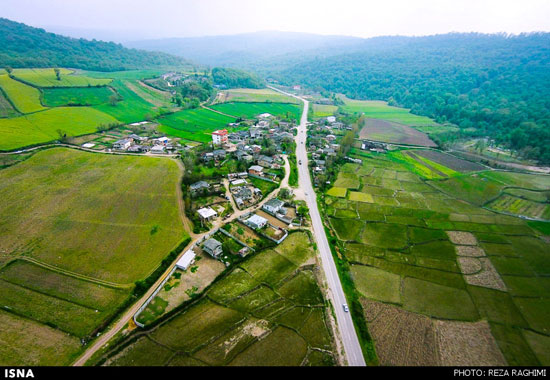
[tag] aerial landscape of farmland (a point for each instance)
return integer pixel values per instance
(182, 189)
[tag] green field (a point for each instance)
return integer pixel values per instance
(323, 110)
(381, 110)
(82, 96)
(26, 99)
(256, 96)
(240, 322)
(47, 78)
(91, 213)
(131, 107)
(41, 127)
(194, 124)
(252, 110)
(432, 254)
(6, 109)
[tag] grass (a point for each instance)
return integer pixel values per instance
(438, 301)
(340, 192)
(323, 110)
(89, 213)
(377, 284)
(6, 109)
(26, 99)
(41, 127)
(87, 96)
(263, 95)
(26, 342)
(131, 108)
(194, 124)
(252, 110)
(47, 78)
(381, 110)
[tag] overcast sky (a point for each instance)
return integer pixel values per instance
(127, 19)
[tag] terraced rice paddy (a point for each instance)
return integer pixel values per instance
(431, 268)
(268, 311)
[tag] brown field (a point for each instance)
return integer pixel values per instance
(404, 338)
(450, 161)
(391, 132)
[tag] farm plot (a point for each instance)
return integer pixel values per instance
(450, 161)
(47, 78)
(194, 124)
(517, 206)
(252, 110)
(263, 95)
(240, 321)
(381, 110)
(391, 132)
(50, 125)
(91, 213)
(73, 96)
(130, 108)
(446, 265)
(26, 99)
(6, 109)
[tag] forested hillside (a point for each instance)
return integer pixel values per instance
(493, 85)
(233, 78)
(25, 46)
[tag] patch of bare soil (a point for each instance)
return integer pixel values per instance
(467, 344)
(469, 265)
(488, 277)
(462, 238)
(469, 251)
(401, 338)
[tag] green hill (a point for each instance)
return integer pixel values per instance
(25, 46)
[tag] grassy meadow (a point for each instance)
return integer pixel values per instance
(255, 96)
(47, 78)
(26, 99)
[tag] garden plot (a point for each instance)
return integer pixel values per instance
(249, 317)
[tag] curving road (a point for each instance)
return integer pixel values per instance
(349, 338)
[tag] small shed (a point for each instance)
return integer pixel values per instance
(186, 260)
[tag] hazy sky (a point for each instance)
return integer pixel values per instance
(362, 18)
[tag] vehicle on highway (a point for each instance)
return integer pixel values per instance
(300, 162)
(346, 308)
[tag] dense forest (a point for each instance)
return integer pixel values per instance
(234, 78)
(493, 85)
(25, 46)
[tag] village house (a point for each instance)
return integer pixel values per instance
(213, 248)
(219, 137)
(199, 187)
(161, 141)
(207, 214)
(186, 260)
(219, 154)
(256, 221)
(158, 149)
(331, 119)
(256, 170)
(273, 206)
(265, 161)
(123, 144)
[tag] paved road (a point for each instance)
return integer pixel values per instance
(345, 324)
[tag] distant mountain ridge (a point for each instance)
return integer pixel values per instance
(25, 46)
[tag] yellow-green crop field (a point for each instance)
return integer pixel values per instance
(47, 78)
(25, 98)
(40, 127)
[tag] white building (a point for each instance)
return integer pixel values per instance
(256, 221)
(186, 260)
(158, 149)
(207, 213)
(331, 119)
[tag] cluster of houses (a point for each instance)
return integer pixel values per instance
(142, 144)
